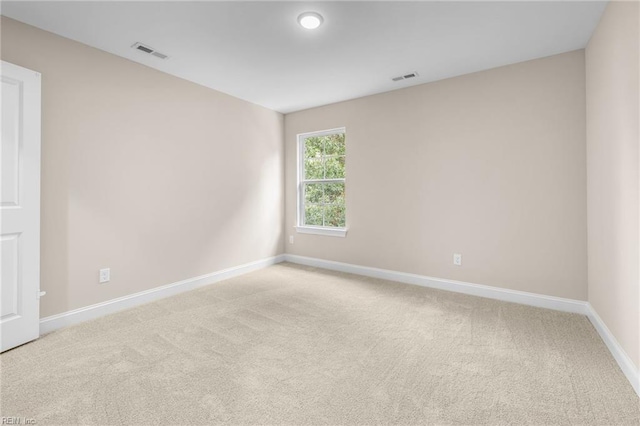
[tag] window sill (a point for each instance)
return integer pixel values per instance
(317, 230)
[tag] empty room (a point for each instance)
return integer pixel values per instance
(320, 213)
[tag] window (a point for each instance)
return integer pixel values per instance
(321, 183)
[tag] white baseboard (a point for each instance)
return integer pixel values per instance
(626, 365)
(86, 313)
(524, 298)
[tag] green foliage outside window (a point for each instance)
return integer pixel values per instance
(324, 202)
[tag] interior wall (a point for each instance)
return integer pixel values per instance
(613, 172)
(491, 165)
(155, 177)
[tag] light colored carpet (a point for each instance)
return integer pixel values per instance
(297, 345)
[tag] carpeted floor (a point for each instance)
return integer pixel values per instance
(296, 345)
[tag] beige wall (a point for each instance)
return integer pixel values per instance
(155, 177)
(490, 165)
(613, 166)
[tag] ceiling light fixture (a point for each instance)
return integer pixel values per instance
(310, 20)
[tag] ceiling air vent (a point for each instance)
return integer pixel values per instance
(405, 77)
(149, 50)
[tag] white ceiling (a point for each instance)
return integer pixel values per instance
(256, 50)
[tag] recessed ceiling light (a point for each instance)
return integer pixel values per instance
(310, 20)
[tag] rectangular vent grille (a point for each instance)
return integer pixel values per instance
(149, 50)
(405, 77)
(144, 49)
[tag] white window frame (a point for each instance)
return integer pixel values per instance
(308, 229)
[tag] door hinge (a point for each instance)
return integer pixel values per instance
(41, 293)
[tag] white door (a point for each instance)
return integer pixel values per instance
(19, 206)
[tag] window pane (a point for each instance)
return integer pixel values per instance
(313, 169)
(313, 193)
(313, 147)
(334, 215)
(313, 158)
(334, 167)
(313, 214)
(334, 144)
(334, 193)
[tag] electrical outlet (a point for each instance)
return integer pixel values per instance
(290, 239)
(105, 275)
(457, 259)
